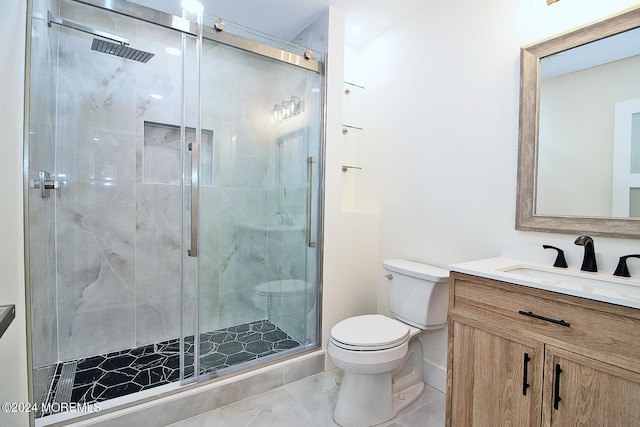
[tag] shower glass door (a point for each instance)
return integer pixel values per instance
(256, 280)
(104, 162)
(173, 203)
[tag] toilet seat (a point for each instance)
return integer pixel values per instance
(371, 332)
(285, 287)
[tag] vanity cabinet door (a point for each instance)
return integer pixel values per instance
(580, 391)
(495, 377)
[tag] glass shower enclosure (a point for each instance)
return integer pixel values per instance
(173, 192)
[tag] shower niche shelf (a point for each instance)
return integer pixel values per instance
(358, 192)
(346, 129)
(352, 109)
(352, 129)
(352, 137)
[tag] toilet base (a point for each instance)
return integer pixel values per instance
(405, 398)
(368, 399)
(357, 409)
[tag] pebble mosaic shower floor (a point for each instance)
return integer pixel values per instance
(107, 376)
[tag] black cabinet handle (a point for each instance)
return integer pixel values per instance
(557, 398)
(546, 319)
(525, 375)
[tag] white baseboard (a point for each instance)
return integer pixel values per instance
(435, 376)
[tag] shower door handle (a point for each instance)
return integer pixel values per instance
(195, 194)
(312, 160)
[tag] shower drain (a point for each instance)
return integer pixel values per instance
(53, 387)
(65, 383)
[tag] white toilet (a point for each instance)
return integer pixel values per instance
(382, 357)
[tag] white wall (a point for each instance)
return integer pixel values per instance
(13, 350)
(351, 239)
(443, 88)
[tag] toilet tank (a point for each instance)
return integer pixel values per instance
(418, 293)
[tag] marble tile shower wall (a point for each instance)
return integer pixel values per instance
(118, 242)
(117, 233)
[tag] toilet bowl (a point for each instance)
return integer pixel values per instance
(382, 357)
(371, 349)
(290, 304)
(279, 297)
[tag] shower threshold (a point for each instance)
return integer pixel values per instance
(108, 376)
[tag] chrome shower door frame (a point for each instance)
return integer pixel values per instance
(193, 29)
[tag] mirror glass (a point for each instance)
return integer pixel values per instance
(583, 96)
(579, 134)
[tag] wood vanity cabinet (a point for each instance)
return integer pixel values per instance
(519, 356)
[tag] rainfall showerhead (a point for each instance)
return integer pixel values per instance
(121, 50)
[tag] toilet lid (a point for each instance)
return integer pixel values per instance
(369, 332)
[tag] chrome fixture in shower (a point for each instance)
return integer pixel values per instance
(121, 51)
(119, 48)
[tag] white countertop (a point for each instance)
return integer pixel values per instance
(600, 286)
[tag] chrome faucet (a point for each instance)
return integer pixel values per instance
(589, 260)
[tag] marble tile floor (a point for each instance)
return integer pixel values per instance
(309, 403)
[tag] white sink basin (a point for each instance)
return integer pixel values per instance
(599, 286)
(575, 279)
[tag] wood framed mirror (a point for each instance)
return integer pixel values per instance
(568, 166)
